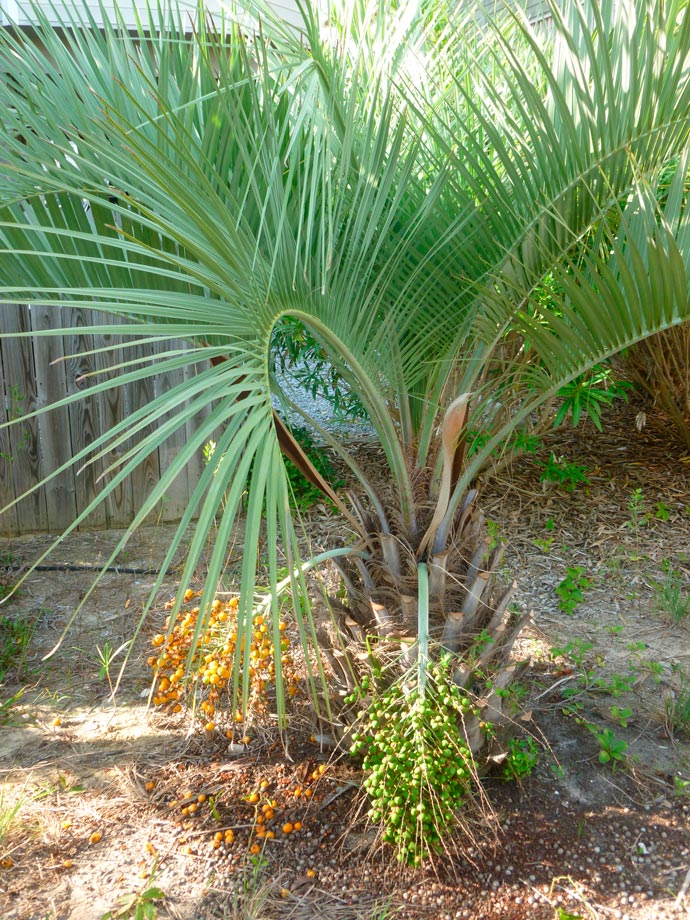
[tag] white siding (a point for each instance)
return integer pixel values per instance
(11, 10)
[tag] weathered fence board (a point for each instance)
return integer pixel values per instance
(22, 395)
(40, 370)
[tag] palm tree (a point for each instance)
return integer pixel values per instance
(401, 179)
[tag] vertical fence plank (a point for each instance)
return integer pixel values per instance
(178, 493)
(119, 505)
(56, 445)
(137, 395)
(9, 522)
(196, 464)
(84, 421)
(23, 396)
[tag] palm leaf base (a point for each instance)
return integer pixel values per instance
(370, 629)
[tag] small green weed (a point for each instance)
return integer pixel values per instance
(141, 905)
(106, 656)
(655, 668)
(15, 637)
(677, 706)
(681, 787)
(521, 759)
(576, 650)
(570, 590)
(671, 598)
(7, 717)
(8, 815)
(662, 512)
(636, 506)
(566, 475)
(611, 749)
(616, 685)
(622, 715)
(493, 531)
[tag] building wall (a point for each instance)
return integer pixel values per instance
(12, 11)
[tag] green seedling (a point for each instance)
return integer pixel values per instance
(575, 650)
(570, 590)
(616, 684)
(655, 668)
(565, 475)
(612, 749)
(662, 512)
(621, 715)
(142, 905)
(671, 598)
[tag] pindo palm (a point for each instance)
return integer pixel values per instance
(401, 183)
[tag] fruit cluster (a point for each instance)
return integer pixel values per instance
(211, 672)
(266, 814)
(419, 769)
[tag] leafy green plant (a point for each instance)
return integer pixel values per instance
(577, 650)
(106, 656)
(300, 356)
(639, 518)
(588, 395)
(611, 749)
(565, 474)
(521, 758)
(662, 511)
(141, 905)
(570, 589)
(615, 684)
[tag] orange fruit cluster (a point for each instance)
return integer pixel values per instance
(211, 672)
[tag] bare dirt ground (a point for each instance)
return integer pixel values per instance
(101, 785)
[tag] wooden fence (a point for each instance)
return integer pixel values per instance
(31, 377)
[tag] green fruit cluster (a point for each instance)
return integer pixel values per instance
(419, 769)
